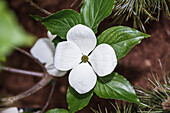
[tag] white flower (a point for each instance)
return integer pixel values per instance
(50, 36)
(9, 110)
(44, 50)
(78, 54)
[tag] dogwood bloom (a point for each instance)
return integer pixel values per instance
(79, 54)
(44, 50)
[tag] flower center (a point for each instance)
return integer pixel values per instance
(84, 58)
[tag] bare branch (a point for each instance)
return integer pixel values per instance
(10, 100)
(37, 7)
(14, 70)
(44, 81)
(49, 98)
(30, 56)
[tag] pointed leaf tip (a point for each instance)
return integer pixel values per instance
(122, 39)
(36, 17)
(115, 86)
(77, 101)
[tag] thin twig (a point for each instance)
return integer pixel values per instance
(77, 3)
(73, 3)
(49, 98)
(25, 72)
(44, 81)
(30, 56)
(37, 7)
(10, 100)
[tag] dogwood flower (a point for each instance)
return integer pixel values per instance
(44, 50)
(79, 54)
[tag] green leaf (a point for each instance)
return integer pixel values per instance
(36, 17)
(61, 22)
(121, 38)
(77, 101)
(57, 111)
(11, 33)
(115, 86)
(57, 40)
(94, 11)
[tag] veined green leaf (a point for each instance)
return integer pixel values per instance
(77, 101)
(94, 11)
(61, 22)
(57, 110)
(57, 40)
(36, 17)
(121, 38)
(115, 86)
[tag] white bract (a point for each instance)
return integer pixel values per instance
(9, 110)
(79, 54)
(44, 50)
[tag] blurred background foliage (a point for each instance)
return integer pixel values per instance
(140, 11)
(11, 33)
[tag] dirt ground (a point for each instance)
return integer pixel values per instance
(136, 66)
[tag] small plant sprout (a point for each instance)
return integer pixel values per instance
(91, 59)
(79, 54)
(44, 50)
